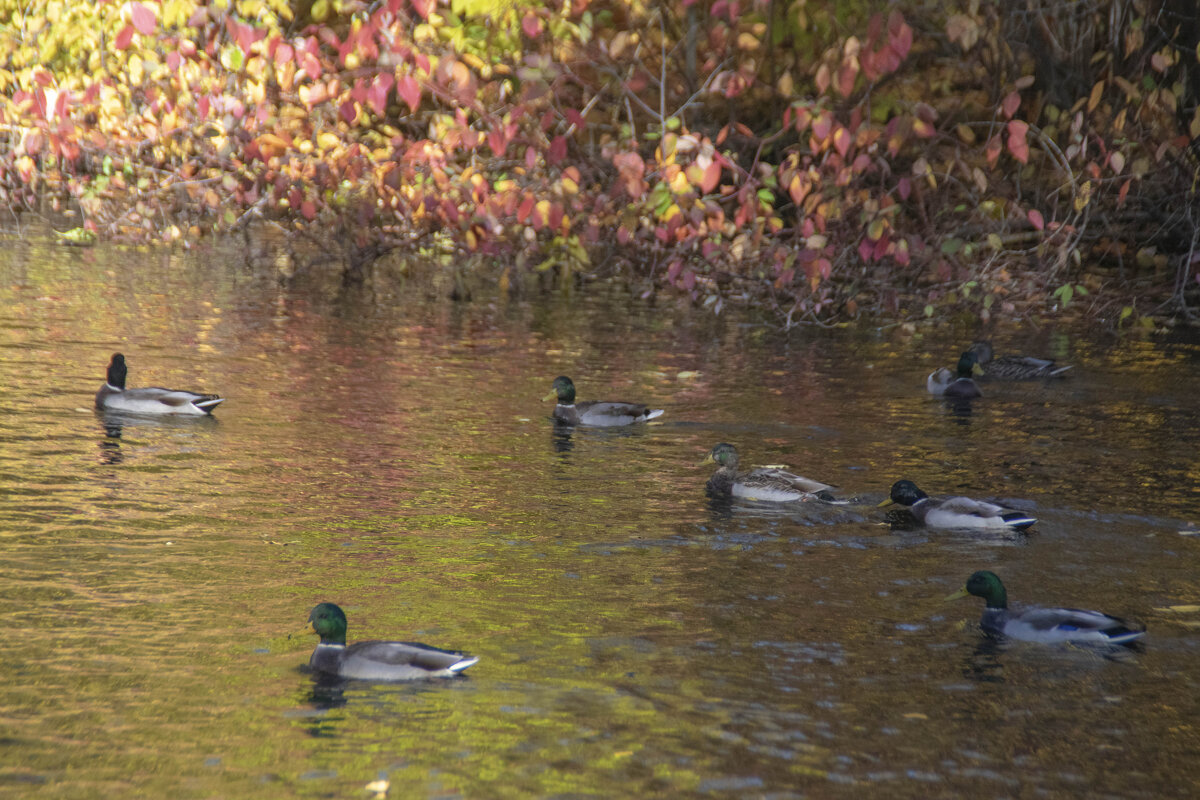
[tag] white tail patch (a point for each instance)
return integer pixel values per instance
(461, 665)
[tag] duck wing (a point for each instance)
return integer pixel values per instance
(779, 485)
(609, 414)
(964, 512)
(154, 400)
(400, 660)
(1024, 368)
(1070, 625)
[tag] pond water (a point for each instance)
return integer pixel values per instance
(386, 449)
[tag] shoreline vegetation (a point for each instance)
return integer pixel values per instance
(821, 164)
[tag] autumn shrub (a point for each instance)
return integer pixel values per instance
(817, 161)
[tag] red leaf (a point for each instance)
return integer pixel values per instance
(841, 140)
(530, 157)
(174, 60)
(525, 209)
(283, 54)
(348, 111)
(497, 141)
(575, 118)
(1123, 192)
(822, 126)
(992, 150)
(900, 35)
(846, 77)
(1010, 104)
(866, 249)
(1017, 144)
(423, 7)
(558, 149)
(311, 65)
(904, 188)
(531, 25)
(124, 37)
(143, 19)
(409, 91)
(673, 270)
(309, 209)
(1035, 217)
(377, 94)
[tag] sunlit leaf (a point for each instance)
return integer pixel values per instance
(143, 19)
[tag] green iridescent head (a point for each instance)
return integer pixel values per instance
(329, 622)
(564, 391)
(724, 454)
(987, 585)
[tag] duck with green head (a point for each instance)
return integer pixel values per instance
(1014, 368)
(113, 396)
(765, 483)
(376, 660)
(956, 513)
(1046, 625)
(959, 385)
(598, 414)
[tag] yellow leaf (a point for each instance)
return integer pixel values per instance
(786, 84)
(327, 141)
(1097, 93)
(1084, 196)
(679, 182)
(746, 41)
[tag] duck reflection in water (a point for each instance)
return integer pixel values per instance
(110, 445)
(560, 437)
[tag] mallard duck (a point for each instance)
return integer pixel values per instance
(765, 483)
(376, 661)
(958, 386)
(1048, 625)
(1014, 368)
(605, 415)
(113, 396)
(956, 513)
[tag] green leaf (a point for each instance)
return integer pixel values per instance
(929, 310)
(951, 246)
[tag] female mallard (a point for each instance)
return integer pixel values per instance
(943, 383)
(113, 396)
(1014, 368)
(956, 513)
(1048, 625)
(765, 483)
(376, 661)
(605, 415)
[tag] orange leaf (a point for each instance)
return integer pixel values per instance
(712, 176)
